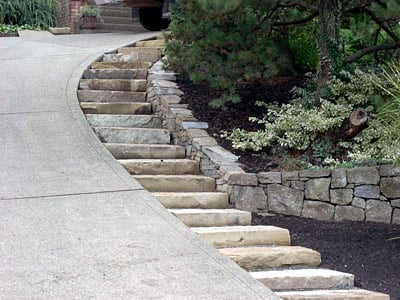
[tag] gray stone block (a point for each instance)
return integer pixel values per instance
(390, 187)
(290, 175)
(339, 178)
(341, 196)
(269, 177)
(314, 173)
(349, 213)
(396, 216)
(378, 211)
(318, 210)
(363, 176)
(367, 191)
(358, 202)
(298, 185)
(318, 189)
(243, 179)
(249, 198)
(395, 203)
(284, 200)
(389, 170)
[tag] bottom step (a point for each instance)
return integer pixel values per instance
(333, 295)
(304, 279)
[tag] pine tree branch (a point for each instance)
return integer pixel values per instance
(371, 49)
(381, 24)
(301, 4)
(297, 22)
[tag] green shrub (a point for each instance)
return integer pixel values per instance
(36, 13)
(223, 42)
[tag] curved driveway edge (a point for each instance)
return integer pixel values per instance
(73, 223)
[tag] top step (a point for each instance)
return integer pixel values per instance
(354, 294)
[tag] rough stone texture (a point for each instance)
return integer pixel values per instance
(314, 173)
(193, 200)
(304, 279)
(341, 196)
(363, 176)
(367, 191)
(240, 236)
(318, 189)
(298, 185)
(127, 151)
(115, 108)
(290, 176)
(110, 96)
(115, 74)
(219, 155)
(120, 65)
(354, 294)
(212, 217)
(251, 258)
(396, 216)
(249, 198)
(242, 179)
(358, 202)
(60, 30)
(130, 135)
(378, 211)
(390, 187)
(137, 121)
(350, 213)
(269, 177)
(318, 210)
(339, 178)
(395, 203)
(284, 200)
(160, 166)
(389, 170)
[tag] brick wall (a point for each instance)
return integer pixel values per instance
(62, 13)
(74, 6)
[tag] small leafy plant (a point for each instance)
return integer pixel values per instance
(89, 11)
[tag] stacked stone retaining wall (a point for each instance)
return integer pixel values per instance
(358, 194)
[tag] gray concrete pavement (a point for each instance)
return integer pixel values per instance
(73, 223)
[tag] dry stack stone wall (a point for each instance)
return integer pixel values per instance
(359, 194)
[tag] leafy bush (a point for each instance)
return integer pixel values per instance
(36, 13)
(6, 28)
(223, 42)
(297, 124)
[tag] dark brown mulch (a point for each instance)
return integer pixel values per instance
(370, 251)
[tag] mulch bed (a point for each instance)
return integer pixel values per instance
(8, 34)
(370, 251)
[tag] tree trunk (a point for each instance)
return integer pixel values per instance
(329, 54)
(357, 121)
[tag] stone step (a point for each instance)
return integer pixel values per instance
(132, 135)
(121, 65)
(193, 200)
(353, 294)
(253, 258)
(241, 236)
(132, 57)
(116, 108)
(304, 279)
(176, 183)
(133, 121)
(110, 96)
(151, 43)
(128, 151)
(115, 74)
(212, 217)
(114, 27)
(143, 53)
(160, 166)
(134, 85)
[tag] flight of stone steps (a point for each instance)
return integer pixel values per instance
(112, 94)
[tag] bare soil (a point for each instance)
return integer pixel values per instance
(370, 251)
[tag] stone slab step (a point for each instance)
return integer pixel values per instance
(353, 294)
(132, 56)
(133, 121)
(160, 166)
(132, 135)
(115, 74)
(110, 96)
(241, 236)
(304, 279)
(127, 151)
(121, 65)
(135, 85)
(151, 43)
(193, 200)
(116, 108)
(253, 258)
(212, 217)
(176, 183)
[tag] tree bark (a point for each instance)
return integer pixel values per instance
(357, 120)
(329, 54)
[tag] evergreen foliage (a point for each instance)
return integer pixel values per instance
(223, 42)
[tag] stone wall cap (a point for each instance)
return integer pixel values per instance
(315, 173)
(198, 125)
